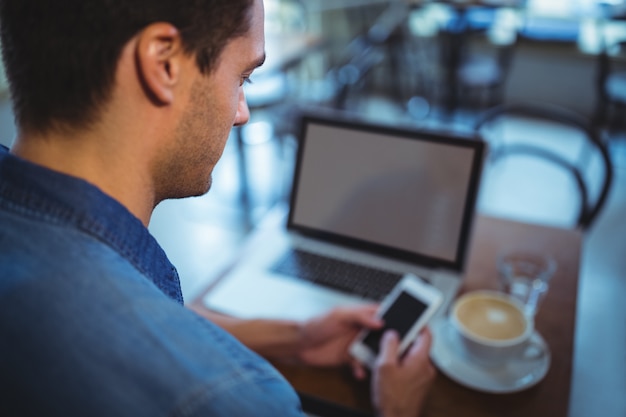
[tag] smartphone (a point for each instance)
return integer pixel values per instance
(407, 309)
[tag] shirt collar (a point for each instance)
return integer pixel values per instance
(71, 201)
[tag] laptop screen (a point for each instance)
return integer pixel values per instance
(408, 193)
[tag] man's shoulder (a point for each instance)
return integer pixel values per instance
(78, 311)
(37, 248)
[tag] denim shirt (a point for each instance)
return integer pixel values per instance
(91, 315)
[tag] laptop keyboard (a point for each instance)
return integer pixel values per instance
(340, 275)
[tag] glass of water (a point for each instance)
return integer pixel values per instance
(526, 276)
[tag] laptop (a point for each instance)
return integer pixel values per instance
(370, 203)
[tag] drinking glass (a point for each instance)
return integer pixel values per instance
(526, 276)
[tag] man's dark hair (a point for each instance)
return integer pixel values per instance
(60, 56)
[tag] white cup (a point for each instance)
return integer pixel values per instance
(491, 328)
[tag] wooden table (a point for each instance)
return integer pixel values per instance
(555, 322)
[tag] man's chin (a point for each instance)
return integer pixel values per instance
(202, 190)
(185, 191)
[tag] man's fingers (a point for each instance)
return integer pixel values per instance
(366, 317)
(357, 370)
(362, 316)
(389, 347)
(422, 344)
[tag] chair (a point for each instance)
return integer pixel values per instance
(477, 45)
(544, 138)
(611, 86)
(484, 70)
(377, 45)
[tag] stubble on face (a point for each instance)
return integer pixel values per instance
(200, 136)
(199, 141)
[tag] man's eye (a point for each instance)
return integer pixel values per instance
(245, 80)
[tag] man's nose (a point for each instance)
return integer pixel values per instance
(243, 112)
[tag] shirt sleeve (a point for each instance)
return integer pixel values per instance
(261, 398)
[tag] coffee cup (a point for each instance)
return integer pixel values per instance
(491, 328)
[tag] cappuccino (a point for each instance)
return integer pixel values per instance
(491, 327)
(489, 316)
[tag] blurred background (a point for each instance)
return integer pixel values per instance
(558, 160)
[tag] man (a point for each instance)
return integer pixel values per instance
(121, 104)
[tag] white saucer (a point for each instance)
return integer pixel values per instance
(513, 376)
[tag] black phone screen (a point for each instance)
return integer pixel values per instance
(401, 316)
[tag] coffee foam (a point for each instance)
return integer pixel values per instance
(491, 318)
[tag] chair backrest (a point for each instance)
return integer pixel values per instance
(589, 207)
(366, 51)
(606, 66)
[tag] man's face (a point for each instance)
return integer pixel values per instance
(216, 104)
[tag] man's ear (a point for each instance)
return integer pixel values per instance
(158, 56)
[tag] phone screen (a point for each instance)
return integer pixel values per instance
(401, 316)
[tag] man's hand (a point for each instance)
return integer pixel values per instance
(325, 339)
(400, 385)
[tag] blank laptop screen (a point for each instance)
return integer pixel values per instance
(403, 192)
